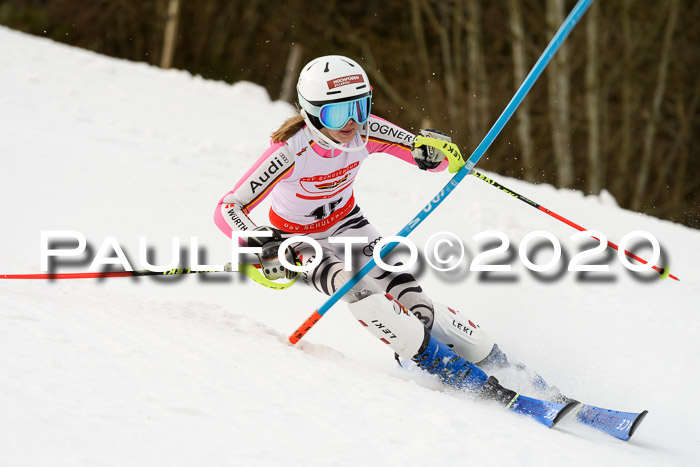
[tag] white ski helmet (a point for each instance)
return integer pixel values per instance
(328, 80)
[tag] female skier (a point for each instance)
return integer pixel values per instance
(308, 171)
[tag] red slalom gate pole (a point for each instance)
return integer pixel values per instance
(664, 272)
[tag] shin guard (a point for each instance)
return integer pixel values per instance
(465, 337)
(387, 320)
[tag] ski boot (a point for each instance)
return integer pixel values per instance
(438, 359)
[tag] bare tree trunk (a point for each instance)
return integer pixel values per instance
(558, 86)
(424, 64)
(206, 11)
(291, 71)
(170, 36)
(626, 147)
(519, 74)
(476, 64)
(604, 133)
(441, 29)
(458, 53)
(594, 173)
(249, 24)
(226, 24)
(647, 149)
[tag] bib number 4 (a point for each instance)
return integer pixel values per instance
(324, 210)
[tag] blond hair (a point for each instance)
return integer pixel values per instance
(288, 129)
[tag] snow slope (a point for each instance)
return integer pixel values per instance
(187, 371)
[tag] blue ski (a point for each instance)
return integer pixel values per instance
(546, 412)
(621, 425)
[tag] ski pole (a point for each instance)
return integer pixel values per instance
(561, 35)
(247, 269)
(664, 272)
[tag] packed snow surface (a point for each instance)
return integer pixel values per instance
(196, 370)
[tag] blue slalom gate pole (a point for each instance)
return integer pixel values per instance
(567, 26)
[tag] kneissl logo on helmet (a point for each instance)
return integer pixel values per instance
(344, 81)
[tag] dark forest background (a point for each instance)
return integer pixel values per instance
(616, 110)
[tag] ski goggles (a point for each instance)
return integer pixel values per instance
(337, 114)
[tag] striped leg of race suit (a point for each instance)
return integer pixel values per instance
(329, 274)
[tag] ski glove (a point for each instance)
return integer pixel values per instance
(269, 261)
(428, 157)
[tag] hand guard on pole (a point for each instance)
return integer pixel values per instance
(429, 157)
(270, 263)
